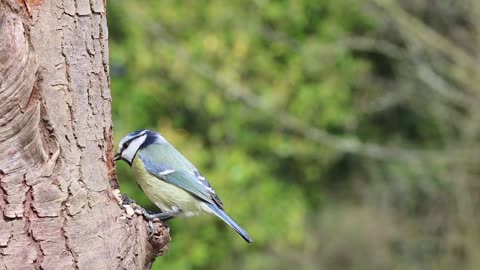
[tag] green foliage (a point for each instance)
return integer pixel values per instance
(158, 50)
(272, 101)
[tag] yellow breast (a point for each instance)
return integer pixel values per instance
(166, 196)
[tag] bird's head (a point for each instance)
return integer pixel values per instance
(135, 140)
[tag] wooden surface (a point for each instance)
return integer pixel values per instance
(56, 168)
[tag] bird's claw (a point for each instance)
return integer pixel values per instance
(131, 208)
(127, 200)
(148, 216)
(164, 216)
(151, 230)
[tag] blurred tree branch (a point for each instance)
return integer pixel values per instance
(301, 83)
(237, 92)
(465, 65)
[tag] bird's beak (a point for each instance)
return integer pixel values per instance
(117, 156)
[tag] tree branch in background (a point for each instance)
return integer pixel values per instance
(239, 93)
(465, 65)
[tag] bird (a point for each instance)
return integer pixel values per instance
(170, 180)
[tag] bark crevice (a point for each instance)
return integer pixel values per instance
(56, 168)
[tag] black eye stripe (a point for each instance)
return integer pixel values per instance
(131, 139)
(127, 143)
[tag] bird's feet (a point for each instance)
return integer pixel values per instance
(126, 203)
(163, 216)
(131, 208)
(127, 200)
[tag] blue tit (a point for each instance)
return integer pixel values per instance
(169, 180)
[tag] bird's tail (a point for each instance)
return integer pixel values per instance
(223, 216)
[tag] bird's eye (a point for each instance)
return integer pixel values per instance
(125, 145)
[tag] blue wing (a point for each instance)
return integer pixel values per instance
(167, 164)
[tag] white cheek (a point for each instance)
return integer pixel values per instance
(129, 153)
(132, 149)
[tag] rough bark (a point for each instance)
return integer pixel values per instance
(56, 170)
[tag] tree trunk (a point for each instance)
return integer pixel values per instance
(56, 170)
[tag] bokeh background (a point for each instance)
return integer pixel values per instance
(342, 134)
